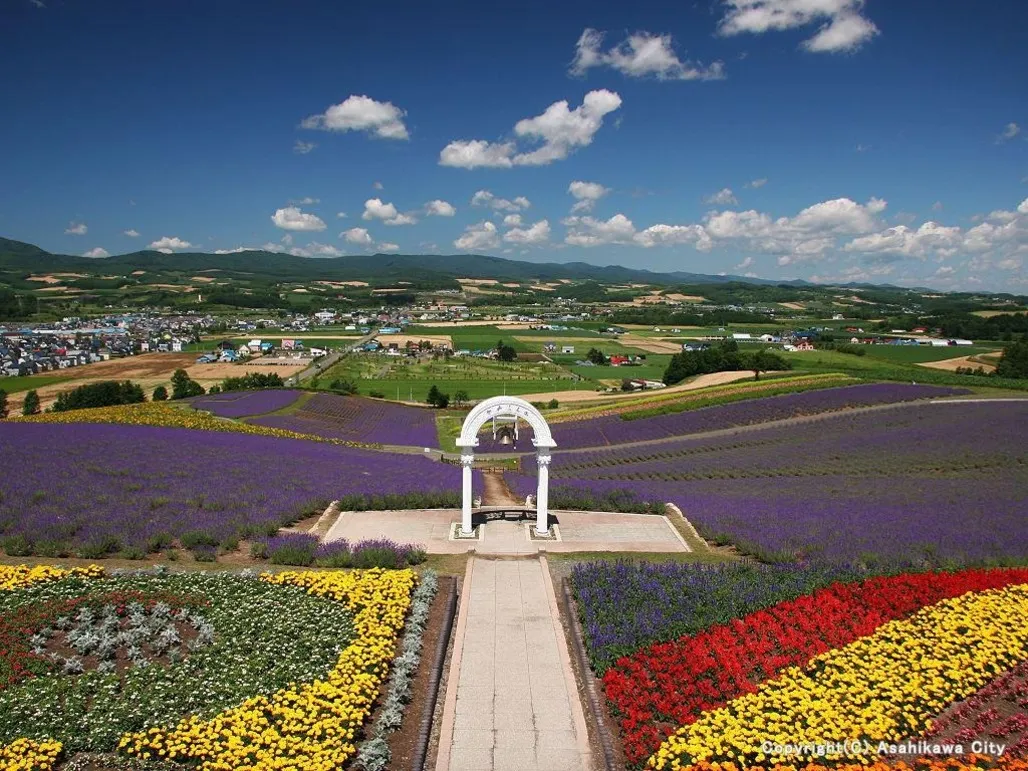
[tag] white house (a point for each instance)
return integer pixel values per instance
(567, 349)
(741, 336)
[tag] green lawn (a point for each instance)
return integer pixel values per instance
(417, 390)
(914, 354)
(13, 385)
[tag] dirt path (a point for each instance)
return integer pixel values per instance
(495, 491)
(960, 361)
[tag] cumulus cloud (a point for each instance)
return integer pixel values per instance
(382, 120)
(377, 209)
(438, 208)
(386, 246)
(97, 252)
(168, 244)
(291, 218)
(131, 233)
(482, 235)
(485, 198)
(302, 148)
(588, 231)
(586, 194)
(755, 183)
(359, 236)
(640, 55)
(723, 197)
(559, 129)
(538, 233)
(843, 25)
(314, 249)
(512, 220)
(76, 229)
(747, 263)
(929, 240)
(244, 249)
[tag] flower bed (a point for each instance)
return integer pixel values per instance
(94, 490)
(240, 404)
(673, 683)
(883, 687)
(165, 415)
(269, 688)
(351, 418)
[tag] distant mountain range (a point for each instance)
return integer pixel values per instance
(20, 256)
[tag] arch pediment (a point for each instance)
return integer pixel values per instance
(505, 406)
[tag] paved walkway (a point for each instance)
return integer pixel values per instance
(511, 699)
(579, 531)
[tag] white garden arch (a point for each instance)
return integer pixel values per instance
(507, 406)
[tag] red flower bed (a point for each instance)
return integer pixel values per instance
(660, 688)
(16, 658)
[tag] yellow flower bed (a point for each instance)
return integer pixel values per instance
(29, 755)
(311, 726)
(166, 416)
(884, 687)
(20, 576)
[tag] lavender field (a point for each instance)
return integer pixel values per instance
(100, 488)
(359, 420)
(613, 430)
(241, 404)
(934, 482)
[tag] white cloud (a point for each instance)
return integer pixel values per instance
(314, 249)
(929, 240)
(376, 209)
(560, 130)
(302, 148)
(586, 195)
(723, 197)
(747, 263)
(287, 239)
(675, 235)
(358, 236)
(76, 229)
(1013, 263)
(477, 153)
(438, 208)
(131, 233)
(1023, 206)
(242, 249)
(168, 244)
(97, 252)
(306, 201)
(361, 113)
(937, 206)
(291, 218)
(1010, 131)
(538, 233)
(755, 183)
(640, 55)
(385, 246)
(588, 231)
(512, 220)
(481, 235)
(485, 198)
(377, 185)
(843, 27)
(341, 215)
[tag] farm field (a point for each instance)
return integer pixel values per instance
(98, 490)
(13, 385)
(900, 486)
(916, 354)
(111, 663)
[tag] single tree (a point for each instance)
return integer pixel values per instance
(764, 361)
(3, 404)
(160, 394)
(505, 352)
(182, 386)
(433, 395)
(460, 399)
(31, 405)
(596, 356)
(1014, 361)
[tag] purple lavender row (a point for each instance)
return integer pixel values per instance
(77, 484)
(243, 403)
(932, 483)
(359, 420)
(611, 429)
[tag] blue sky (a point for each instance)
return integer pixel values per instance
(831, 140)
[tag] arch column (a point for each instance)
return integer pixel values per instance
(467, 460)
(542, 491)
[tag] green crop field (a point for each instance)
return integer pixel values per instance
(914, 354)
(13, 385)
(417, 390)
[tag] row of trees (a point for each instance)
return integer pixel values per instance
(724, 357)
